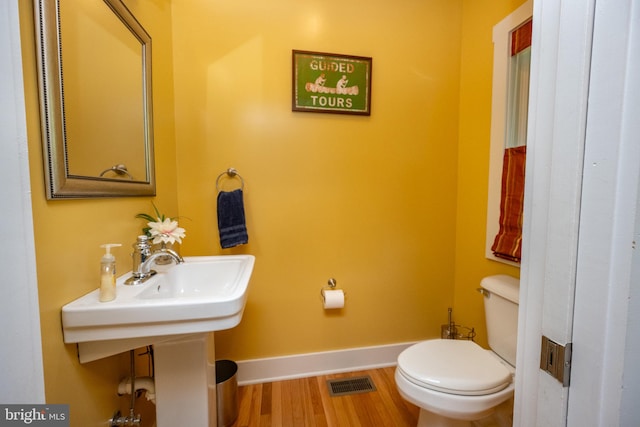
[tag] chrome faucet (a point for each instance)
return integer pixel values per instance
(145, 267)
(143, 258)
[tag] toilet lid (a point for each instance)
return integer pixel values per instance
(453, 366)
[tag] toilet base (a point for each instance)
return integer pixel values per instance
(429, 419)
(502, 416)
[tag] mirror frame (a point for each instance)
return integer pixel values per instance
(60, 184)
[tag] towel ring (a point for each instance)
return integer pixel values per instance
(231, 173)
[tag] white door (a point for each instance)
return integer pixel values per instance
(605, 332)
(580, 214)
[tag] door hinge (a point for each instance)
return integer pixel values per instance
(555, 359)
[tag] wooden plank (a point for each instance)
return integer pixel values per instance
(307, 402)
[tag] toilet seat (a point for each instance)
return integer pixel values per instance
(453, 366)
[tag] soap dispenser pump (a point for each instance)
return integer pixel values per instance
(108, 273)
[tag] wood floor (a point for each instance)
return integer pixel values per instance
(307, 402)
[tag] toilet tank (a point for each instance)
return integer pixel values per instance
(501, 296)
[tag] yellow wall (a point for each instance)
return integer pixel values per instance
(471, 266)
(370, 201)
(391, 205)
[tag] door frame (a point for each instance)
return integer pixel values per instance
(581, 201)
(21, 368)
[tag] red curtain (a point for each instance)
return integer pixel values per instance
(521, 37)
(508, 241)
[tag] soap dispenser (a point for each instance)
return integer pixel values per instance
(108, 273)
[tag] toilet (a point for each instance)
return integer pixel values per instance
(457, 383)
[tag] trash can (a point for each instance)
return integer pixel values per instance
(226, 392)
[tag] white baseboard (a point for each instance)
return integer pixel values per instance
(312, 364)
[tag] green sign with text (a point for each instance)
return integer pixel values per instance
(331, 83)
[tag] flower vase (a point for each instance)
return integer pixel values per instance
(164, 259)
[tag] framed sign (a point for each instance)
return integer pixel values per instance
(331, 83)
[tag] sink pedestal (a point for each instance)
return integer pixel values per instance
(185, 380)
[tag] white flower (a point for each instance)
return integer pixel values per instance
(166, 231)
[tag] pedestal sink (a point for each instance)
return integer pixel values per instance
(174, 311)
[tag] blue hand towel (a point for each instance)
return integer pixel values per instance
(231, 220)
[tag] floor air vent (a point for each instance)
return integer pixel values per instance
(344, 387)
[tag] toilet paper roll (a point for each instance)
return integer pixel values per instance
(333, 298)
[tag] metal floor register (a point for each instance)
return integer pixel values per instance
(343, 387)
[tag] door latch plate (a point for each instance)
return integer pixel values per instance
(555, 359)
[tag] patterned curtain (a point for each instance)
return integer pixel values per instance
(508, 241)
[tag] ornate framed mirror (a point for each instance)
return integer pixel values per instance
(94, 62)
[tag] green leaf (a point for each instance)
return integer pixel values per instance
(146, 217)
(161, 216)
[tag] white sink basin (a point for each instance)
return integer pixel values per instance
(203, 294)
(173, 311)
(198, 280)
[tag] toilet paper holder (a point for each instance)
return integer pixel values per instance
(331, 285)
